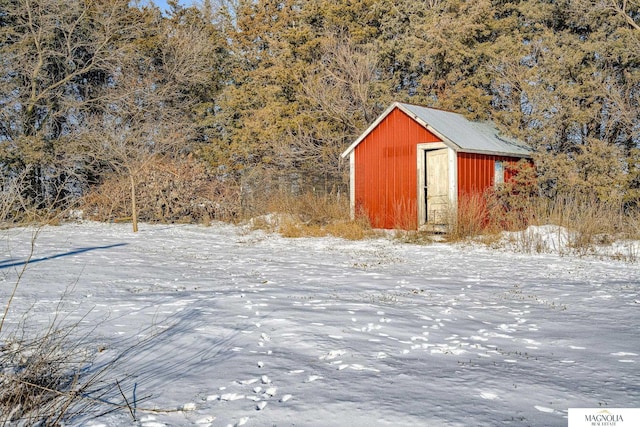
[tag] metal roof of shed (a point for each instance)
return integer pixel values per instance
(456, 131)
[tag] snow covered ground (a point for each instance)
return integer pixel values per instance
(248, 328)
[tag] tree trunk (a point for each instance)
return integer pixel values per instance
(134, 210)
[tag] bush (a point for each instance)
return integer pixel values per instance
(11, 201)
(167, 191)
(40, 378)
(16, 207)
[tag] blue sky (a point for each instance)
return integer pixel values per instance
(162, 4)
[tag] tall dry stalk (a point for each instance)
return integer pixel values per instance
(18, 280)
(469, 218)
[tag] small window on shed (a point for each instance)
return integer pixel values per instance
(498, 173)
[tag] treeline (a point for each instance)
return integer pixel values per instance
(202, 111)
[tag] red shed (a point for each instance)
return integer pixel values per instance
(413, 163)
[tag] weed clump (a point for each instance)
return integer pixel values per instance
(40, 378)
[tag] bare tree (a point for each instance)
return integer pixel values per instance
(146, 111)
(53, 55)
(340, 95)
(343, 84)
(136, 129)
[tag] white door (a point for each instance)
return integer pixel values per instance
(437, 186)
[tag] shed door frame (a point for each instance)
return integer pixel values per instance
(422, 169)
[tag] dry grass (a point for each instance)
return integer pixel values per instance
(39, 373)
(309, 215)
(587, 222)
(40, 379)
(292, 228)
(310, 208)
(50, 379)
(469, 219)
(416, 237)
(403, 219)
(583, 221)
(590, 221)
(357, 229)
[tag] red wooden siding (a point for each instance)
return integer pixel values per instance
(386, 172)
(476, 172)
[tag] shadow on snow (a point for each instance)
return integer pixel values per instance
(12, 263)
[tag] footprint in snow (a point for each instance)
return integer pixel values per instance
(332, 354)
(205, 421)
(488, 395)
(188, 407)
(150, 421)
(231, 397)
(358, 367)
(623, 354)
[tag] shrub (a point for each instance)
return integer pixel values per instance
(16, 207)
(40, 378)
(167, 191)
(11, 201)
